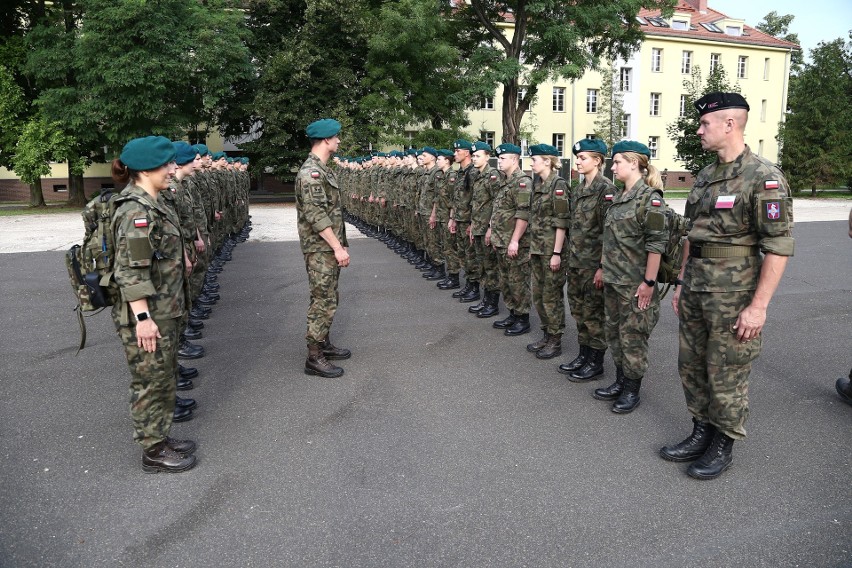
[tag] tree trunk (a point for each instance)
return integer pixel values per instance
(813, 190)
(511, 118)
(36, 196)
(76, 189)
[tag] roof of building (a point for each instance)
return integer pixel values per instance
(702, 26)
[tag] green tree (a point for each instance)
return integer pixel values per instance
(40, 143)
(550, 40)
(609, 124)
(13, 112)
(778, 26)
(683, 130)
(815, 138)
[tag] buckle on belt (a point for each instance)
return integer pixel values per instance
(695, 250)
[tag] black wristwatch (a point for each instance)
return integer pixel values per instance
(678, 282)
(649, 282)
(142, 316)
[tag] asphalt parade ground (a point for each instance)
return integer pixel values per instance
(444, 444)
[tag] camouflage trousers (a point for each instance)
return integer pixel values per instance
(451, 247)
(587, 307)
(515, 280)
(467, 253)
(714, 366)
(199, 272)
(487, 259)
(152, 382)
(431, 240)
(323, 277)
(628, 328)
(547, 294)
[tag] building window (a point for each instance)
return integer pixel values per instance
(409, 137)
(683, 105)
(766, 69)
(592, 100)
(680, 25)
(763, 110)
(686, 63)
(591, 136)
(655, 104)
(742, 67)
(625, 79)
(487, 136)
(760, 147)
(558, 99)
(656, 59)
(653, 146)
(559, 143)
(625, 126)
(487, 103)
(733, 30)
(60, 188)
(714, 61)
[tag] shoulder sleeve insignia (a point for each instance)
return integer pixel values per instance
(315, 174)
(559, 192)
(609, 197)
(453, 179)
(522, 185)
(656, 202)
(770, 184)
(140, 223)
(773, 210)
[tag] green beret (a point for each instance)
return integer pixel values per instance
(230, 160)
(590, 145)
(445, 153)
(630, 146)
(244, 160)
(507, 149)
(543, 150)
(430, 150)
(411, 151)
(480, 145)
(461, 144)
(324, 128)
(201, 149)
(149, 153)
(711, 102)
(218, 156)
(184, 153)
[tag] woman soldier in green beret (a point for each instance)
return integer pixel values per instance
(549, 217)
(634, 239)
(589, 204)
(150, 270)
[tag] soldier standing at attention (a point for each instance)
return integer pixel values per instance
(150, 270)
(549, 219)
(589, 204)
(510, 239)
(739, 208)
(322, 235)
(485, 187)
(634, 239)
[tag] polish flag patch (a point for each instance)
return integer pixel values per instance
(493, 178)
(725, 201)
(608, 197)
(522, 185)
(560, 192)
(770, 184)
(656, 202)
(140, 223)
(315, 175)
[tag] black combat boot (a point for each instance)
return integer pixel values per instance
(694, 446)
(185, 447)
(481, 305)
(492, 305)
(332, 352)
(424, 264)
(192, 333)
(592, 369)
(184, 384)
(613, 391)
(506, 323)
(161, 457)
(472, 294)
(844, 388)
(182, 415)
(520, 327)
(195, 324)
(463, 291)
(187, 350)
(199, 314)
(576, 364)
(316, 364)
(715, 460)
(187, 372)
(628, 400)
(551, 349)
(210, 287)
(188, 403)
(438, 274)
(539, 345)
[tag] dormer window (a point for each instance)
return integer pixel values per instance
(733, 31)
(680, 25)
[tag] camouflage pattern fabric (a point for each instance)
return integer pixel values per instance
(515, 280)
(548, 294)
(485, 187)
(549, 210)
(318, 206)
(511, 203)
(487, 259)
(323, 277)
(587, 307)
(628, 328)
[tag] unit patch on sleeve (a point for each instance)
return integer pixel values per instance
(773, 210)
(559, 192)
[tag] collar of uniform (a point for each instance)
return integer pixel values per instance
(631, 193)
(137, 191)
(592, 188)
(730, 170)
(318, 162)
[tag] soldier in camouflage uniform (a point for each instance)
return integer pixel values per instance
(510, 239)
(322, 235)
(427, 186)
(589, 204)
(149, 269)
(739, 207)
(549, 218)
(461, 219)
(635, 236)
(485, 187)
(442, 216)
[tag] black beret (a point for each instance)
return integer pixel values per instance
(711, 102)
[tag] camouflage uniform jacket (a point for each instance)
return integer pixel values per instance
(427, 189)
(485, 187)
(463, 193)
(549, 211)
(745, 203)
(318, 206)
(185, 209)
(634, 226)
(589, 204)
(198, 210)
(148, 254)
(511, 203)
(445, 196)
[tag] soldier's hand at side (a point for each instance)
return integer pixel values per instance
(451, 225)
(342, 257)
(676, 300)
(750, 323)
(147, 334)
(488, 237)
(597, 280)
(555, 263)
(512, 251)
(643, 295)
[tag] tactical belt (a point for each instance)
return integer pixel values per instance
(721, 251)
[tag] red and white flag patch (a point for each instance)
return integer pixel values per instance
(559, 192)
(656, 202)
(609, 197)
(725, 201)
(315, 174)
(522, 185)
(493, 178)
(770, 184)
(140, 223)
